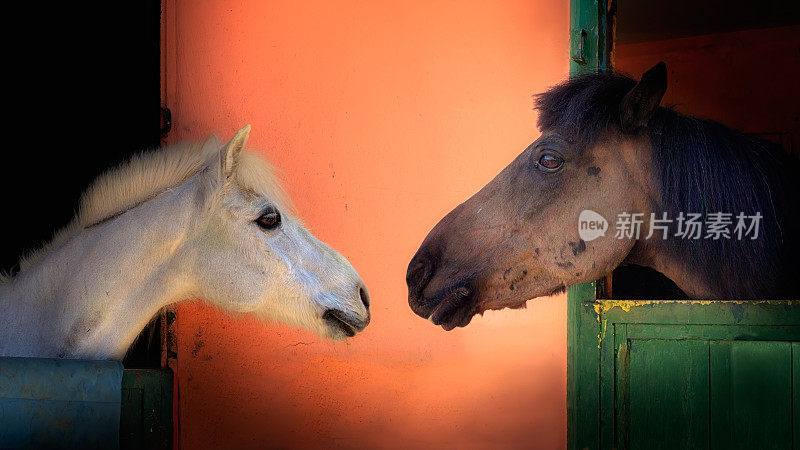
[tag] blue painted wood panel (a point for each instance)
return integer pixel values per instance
(59, 403)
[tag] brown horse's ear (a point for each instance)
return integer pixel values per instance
(641, 102)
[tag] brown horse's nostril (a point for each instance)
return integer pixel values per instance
(362, 292)
(418, 275)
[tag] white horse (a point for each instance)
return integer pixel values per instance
(187, 221)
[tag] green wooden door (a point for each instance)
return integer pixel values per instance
(697, 374)
(674, 374)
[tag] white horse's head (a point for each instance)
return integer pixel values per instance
(249, 255)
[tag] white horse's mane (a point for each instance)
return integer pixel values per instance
(148, 174)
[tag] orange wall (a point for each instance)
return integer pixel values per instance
(383, 116)
(746, 80)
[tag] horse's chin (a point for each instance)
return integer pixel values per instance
(340, 325)
(458, 318)
(332, 332)
(335, 333)
(450, 318)
(335, 336)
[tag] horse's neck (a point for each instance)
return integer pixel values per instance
(92, 295)
(768, 271)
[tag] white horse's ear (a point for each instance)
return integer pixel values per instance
(229, 153)
(221, 161)
(210, 146)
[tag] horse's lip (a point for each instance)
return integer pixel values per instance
(342, 322)
(454, 311)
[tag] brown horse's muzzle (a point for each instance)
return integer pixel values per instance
(451, 305)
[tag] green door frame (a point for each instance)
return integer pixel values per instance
(591, 40)
(591, 33)
(583, 367)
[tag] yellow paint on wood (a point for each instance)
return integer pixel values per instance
(601, 306)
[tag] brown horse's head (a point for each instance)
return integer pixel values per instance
(518, 237)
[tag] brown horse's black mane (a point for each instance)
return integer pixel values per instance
(705, 167)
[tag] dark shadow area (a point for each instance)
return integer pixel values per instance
(83, 92)
(649, 20)
(632, 282)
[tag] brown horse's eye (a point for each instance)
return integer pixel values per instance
(549, 163)
(269, 220)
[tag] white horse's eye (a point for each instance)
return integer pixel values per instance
(269, 220)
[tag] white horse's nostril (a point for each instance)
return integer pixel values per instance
(362, 292)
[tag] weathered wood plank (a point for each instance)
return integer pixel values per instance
(583, 364)
(751, 392)
(669, 393)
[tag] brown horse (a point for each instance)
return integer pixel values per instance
(714, 210)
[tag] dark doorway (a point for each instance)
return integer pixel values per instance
(83, 92)
(733, 61)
